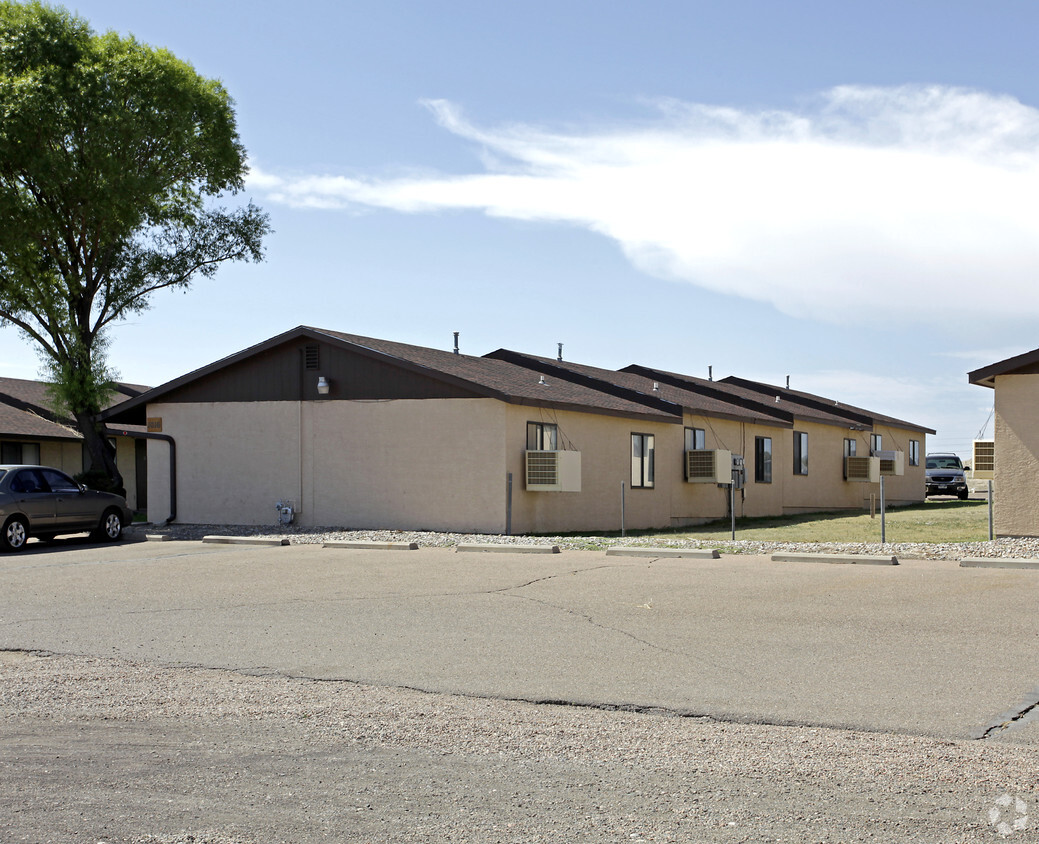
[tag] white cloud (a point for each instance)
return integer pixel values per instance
(885, 201)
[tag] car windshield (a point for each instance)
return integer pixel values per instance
(944, 463)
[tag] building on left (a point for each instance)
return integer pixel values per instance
(32, 432)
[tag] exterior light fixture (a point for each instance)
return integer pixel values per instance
(323, 385)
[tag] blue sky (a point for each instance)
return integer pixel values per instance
(842, 193)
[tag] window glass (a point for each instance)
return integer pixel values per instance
(800, 453)
(14, 453)
(59, 481)
(850, 447)
(763, 460)
(914, 452)
(27, 480)
(542, 436)
(642, 459)
(876, 443)
(695, 439)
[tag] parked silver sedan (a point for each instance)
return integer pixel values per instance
(43, 502)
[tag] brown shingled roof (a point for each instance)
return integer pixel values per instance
(701, 398)
(810, 402)
(25, 410)
(492, 378)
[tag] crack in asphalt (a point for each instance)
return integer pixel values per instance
(1010, 720)
(653, 710)
(591, 620)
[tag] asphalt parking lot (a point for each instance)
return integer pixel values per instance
(924, 648)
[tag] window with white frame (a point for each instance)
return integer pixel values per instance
(914, 452)
(876, 443)
(850, 446)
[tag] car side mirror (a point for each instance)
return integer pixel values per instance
(82, 487)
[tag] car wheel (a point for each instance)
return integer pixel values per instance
(111, 527)
(15, 534)
(962, 495)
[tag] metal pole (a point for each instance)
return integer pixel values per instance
(883, 514)
(732, 508)
(508, 504)
(991, 533)
(622, 509)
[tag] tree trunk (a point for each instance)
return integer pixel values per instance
(102, 455)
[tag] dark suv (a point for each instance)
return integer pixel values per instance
(945, 476)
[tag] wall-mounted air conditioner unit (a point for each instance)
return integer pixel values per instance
(891, 462)
(553, 471)
(984, 463)
(862, 469)
(707, 466)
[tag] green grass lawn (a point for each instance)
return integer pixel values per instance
(933, 521)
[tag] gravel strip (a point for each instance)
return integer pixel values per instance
(1023, 548)
(310, 760)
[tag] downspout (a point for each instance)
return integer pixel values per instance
(173, 462)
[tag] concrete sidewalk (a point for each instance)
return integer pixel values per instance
(923, 647)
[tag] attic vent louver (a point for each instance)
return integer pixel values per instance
(312, 356)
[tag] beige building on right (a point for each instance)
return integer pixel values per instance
(1015, 464)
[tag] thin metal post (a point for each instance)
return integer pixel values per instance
(508, 508)
(622, 509)
(991, 532)
(732, 508)
(883, 514)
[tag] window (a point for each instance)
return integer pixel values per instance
(849, 447)
(642, 454)
(28, 480)
(542, 436)
(763, 460)
(59, 481)
(800, 453)
(695, 439)
(15, 453)
(914, 453)
(876, 443)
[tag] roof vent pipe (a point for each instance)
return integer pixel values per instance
(710, 373)
(788, 382)
(456, 343)
(559, 353)
(541, 380)
(656, 387)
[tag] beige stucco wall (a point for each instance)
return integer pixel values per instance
(696, 502)
(605, 446)
(67, 456)
(443, 465)
(909, 488)
(824, 487)
(378, 464)
(1016, 483)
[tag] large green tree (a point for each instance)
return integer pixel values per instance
(112, 155)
